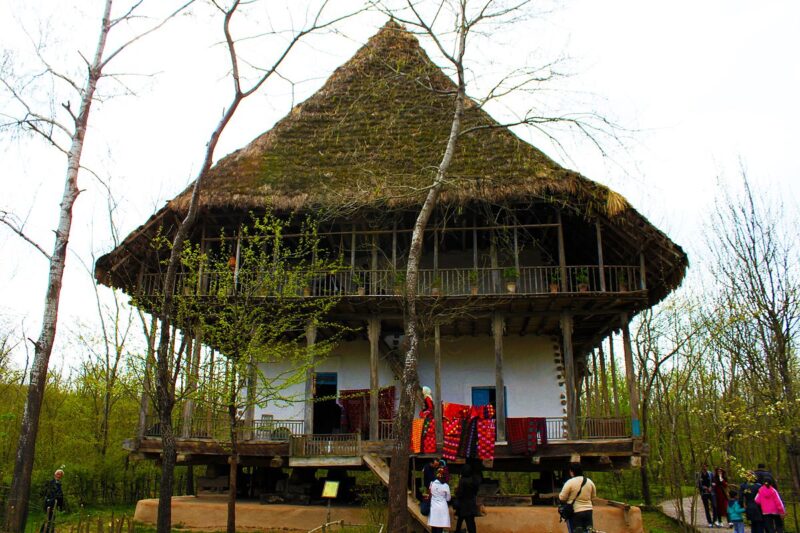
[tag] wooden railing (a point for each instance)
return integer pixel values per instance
(590, 428)
(218, 428)
(385, 429)
(342, 445)
(442, 282)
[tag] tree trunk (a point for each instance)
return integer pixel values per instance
(398, 473)
(19, 494)
(233, 460)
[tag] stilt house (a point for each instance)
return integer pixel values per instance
(362, 150)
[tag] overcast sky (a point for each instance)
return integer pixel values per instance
(700, 87)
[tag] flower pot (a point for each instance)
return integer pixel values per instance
(554, 287)
(583, 287)
(623, 287)
(398, 291)
(473, 291)
(511, 286)
(306, 291)
(435, 291)
(361, 291)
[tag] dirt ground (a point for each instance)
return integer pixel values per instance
(208, 513)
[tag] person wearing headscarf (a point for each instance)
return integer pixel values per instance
(427, 409)
(720, 487)
(439, 517)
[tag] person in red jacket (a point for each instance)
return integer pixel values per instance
(771, 506)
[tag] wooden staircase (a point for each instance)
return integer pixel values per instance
(381, 469)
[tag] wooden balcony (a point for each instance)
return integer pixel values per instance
(491, 282)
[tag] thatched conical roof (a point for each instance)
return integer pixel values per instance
(373, 136)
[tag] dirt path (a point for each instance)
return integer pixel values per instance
(670, 508)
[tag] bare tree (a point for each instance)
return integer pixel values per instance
(166, 369)
(67, 136)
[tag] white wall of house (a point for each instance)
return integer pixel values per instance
(530, 372)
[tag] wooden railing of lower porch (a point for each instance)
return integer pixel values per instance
(339, 445)
(590, 428)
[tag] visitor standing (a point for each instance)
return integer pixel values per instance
(720, 486)
(579, 490)
(772, 507)
(747, 498)
(705, 482)
(467, 499)
(53, 499)
(439, 517)
(735, 513)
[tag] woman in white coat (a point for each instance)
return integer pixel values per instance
(439, 517)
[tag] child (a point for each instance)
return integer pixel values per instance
(735, 512)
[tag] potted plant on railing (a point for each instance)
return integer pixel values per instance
(510, 275)
(473, 282)
(436, 285)
(582, 279)
(555, 281)
(399, 282)
(358, 281)
(622, 282)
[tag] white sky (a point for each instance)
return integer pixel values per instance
(702, 87)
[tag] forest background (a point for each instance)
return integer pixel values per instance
(716, 365)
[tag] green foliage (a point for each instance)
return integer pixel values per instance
(510, 274)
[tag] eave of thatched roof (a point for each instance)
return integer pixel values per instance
(373, 136)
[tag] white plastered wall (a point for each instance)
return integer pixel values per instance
(529, 369)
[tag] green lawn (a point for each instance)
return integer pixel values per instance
(656, 522)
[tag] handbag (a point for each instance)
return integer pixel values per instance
(566, 510)
(425, 506)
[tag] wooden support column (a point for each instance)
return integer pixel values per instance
(630, 377)
(516, 252)
(192, 374)
(562, 258)
(498, 324)
(603, 381)
(353, 248)
(373, 278)
(394, 245)
(435, 252)
(149, 364)
(250, 414)
(437, 387)
(569, 376)
(496, 279)
(311, 340)
(642, 272)
(475, 247)
(613, 361)
(374, 333)
(238, 258)
(600, 263)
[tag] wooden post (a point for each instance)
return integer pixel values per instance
(150, 361)
(373, 278)
(600, 263)
(475, 246)
(394, 245)
(353, 248)
(435, 252)
(238, 258)
(250, 414)
(630, 377)
(569, 376)
(496, 280)
(498, 324)
(373, 332)
(210, 393)
(192, 371)
(311, 339)
(603, 380)
(437, 387)
(612, 360)
(562, 258)
(643, 272)
(516, 252)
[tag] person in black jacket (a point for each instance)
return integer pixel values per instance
(467, 499)
(704, 484)
(53, 499)
(747, 499)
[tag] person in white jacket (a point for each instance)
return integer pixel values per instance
(439, 517)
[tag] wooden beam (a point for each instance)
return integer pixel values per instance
(374, 332)
(603, 381)
(437, 387)
(498, 324)
(569, 375)
(613, 362)
(311, 339)
(636, 430)
(600, 264)
(642, 272)
(562, 255)
(373, 279)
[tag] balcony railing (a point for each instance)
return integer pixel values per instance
(590, 428)
(218, 428)
(536, 280)
(340, 445)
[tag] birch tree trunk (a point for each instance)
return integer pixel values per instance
(17, 506)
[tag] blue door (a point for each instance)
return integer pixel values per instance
(488, 395)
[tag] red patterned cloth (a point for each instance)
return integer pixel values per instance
(486, 438)
(429, 436)
(452, 437)
(525, 435)
(454, 410)
(416, 435)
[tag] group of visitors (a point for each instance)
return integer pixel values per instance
(435, 477)
(757, 498)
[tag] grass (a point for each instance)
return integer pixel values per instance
(656, 522)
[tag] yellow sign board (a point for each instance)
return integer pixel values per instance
(331, 489)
